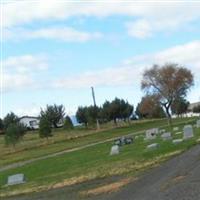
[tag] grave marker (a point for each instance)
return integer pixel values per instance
(16, 179)
(187, 132)
(166, 136)
(114, 150)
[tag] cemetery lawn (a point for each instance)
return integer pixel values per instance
(95, 162)
(34, 147)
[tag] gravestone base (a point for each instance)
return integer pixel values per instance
(153, 146)
(177, 141)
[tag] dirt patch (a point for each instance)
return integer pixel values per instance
(172, 181)
(112, 187)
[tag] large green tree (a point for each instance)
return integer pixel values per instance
(116, 109)
(168, 82)
(54, 114)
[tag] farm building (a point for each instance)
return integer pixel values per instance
(30, 122)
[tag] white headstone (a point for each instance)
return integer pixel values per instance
(177, 141)
(175, 128)
(16, 179)
(114, 150)
(187, 132)
(166, 136)
(153, 146)
(198, 123)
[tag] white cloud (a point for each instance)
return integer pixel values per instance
(130, 72)
(117, 76)
(166, 19)
(34, 110)
(25, 63)
(18, 71)
(66, 34)
(187, 54)
(139, 29)
(149, 17)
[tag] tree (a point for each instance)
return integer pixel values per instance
(82, 115)
(196, 109)
(127, 110)
(1, 125)
(54, 114)
(150, 107)
(168, 82)
(44, 128)
(14, 133)
(117, 109)
(92, 114)
(68, 125)
(179, 106)
(10, 118)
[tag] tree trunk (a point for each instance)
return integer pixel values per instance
(168, 115)
(115, 121)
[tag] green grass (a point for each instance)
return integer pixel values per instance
(95, 162)
(33, 147)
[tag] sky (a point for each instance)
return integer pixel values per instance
(54, 51)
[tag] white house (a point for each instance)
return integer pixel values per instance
(190, 112)
(30, 122)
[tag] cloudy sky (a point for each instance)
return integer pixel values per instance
(54, 51)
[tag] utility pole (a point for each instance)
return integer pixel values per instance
(95, 106)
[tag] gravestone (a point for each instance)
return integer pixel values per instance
(175, 128)
(187, 132)
(198, 123)
(153, 146)
(16, 179)
(177, 141)
(166, 136)
(114, 150)
(151, 134)
(123, 141)
(162, 131)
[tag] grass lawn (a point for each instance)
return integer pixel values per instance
(95, 162)
(33, 147)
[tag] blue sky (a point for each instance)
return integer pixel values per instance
(54, 52)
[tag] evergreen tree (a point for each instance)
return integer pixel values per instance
(45, 128)
(68, 125)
